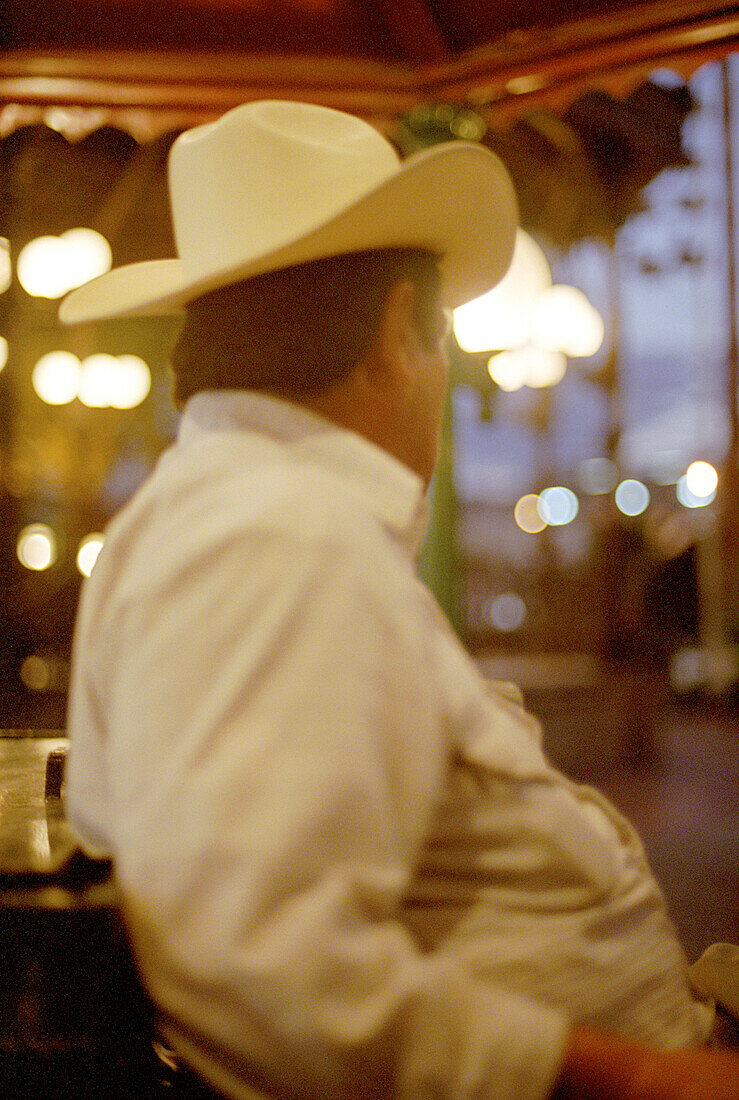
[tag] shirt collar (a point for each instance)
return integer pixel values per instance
(393, 493)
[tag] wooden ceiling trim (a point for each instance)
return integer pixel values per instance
(151, 67)
(506, 87)
(502, 80)
(592, 47)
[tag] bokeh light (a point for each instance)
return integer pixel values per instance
(507, 612)
(36, 672)
(500, 319)
(42, 268)
(49, 266)
(36, 547)
(558, 506)
(527, 366)
(97, 371)
(120, 382)
(56, 377)
(564, 320)
(130, 382)
(4, 352)
(527, 515)
(632, 497)
(100, 381)
(89, 255)
(701, 479)
(526, 313)
(508, 370)
(88, 551)
(689, 499)
(544, 367)
(6, 267)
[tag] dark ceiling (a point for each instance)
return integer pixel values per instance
(381, 30)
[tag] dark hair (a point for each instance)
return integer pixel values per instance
(299, 330)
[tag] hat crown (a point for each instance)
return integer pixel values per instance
(266, 173)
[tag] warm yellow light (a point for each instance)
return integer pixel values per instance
(95, 383)
(508, 370)
(564, 320)
(543, 367)
(490, 322)
(527, 514)
(501, 319)
(36, 673)
(4, 352)
(120, 382)
(701, 479)
(130, 382)
(42, 268)
(56, 377)
(6, 268)
(529, 366)
(632, 497)
(88, 255)
(48, 266)
(36, 546)
(88, 551)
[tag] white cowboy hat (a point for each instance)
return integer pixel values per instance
(272, 184)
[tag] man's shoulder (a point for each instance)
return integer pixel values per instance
(192, 506)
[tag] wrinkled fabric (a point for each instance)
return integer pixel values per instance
(347, 866)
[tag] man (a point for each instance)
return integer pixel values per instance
(348, 869)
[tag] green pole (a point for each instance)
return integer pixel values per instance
(437, 562)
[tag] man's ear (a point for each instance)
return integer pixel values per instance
(392, 346)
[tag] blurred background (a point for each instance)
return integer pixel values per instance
(584, 537)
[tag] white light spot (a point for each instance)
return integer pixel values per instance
(49, 266)
(88, 255)
(36, 546)
(501, 319)
(120, 382)
(558, 506)
(632, 497)
(42, 268)
(508, 370)
(507, 612)
(130, 382)
(56, 377)
(98, 371)
(88, 552)
(543, 366)
(701, 479)
(564, 320)
(689, 499)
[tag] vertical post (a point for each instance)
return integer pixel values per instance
(437, 563)
(731, 471)
(717, 551)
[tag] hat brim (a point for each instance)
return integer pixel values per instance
(454, 199)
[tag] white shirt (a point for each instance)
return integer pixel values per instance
(348, 868)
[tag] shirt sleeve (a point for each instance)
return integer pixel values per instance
(276, 746)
